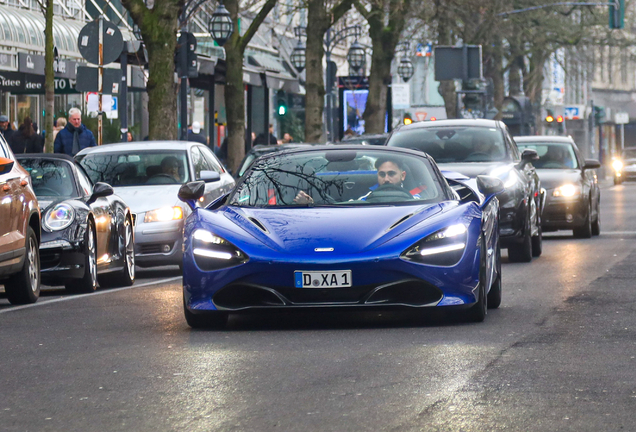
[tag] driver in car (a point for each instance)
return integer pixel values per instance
(170, 167)
(390, 173)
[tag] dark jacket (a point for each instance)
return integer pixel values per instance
(197, 137)
(64, 139)
(8, 132)
(21, 144)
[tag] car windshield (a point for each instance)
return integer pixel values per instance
(365, 140)
(453, 144)
(552, 155)
(339, 177)
(51, 178)
(131, 168)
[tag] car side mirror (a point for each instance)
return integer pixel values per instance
(489, 185)
(209, 176)
(191, 192)
(6, 165)
(591, 164)
(101, 190)
(527, 156)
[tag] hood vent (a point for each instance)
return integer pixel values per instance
(258, 224)
(408, 216)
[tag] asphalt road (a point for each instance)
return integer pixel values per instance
(559, 355)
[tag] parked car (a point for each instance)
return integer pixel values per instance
(573, 197)
(19, 231)
(147, 176)
(366, 139)
(87, 231)
(260, 150)
(477, 147)
(342, 226)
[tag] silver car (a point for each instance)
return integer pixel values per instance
(147, 176)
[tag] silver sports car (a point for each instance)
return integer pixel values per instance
(147, 176)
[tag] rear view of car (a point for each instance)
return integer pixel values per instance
(19, 231)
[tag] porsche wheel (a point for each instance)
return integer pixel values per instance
(207, 320)
(24, 286)
(125, 276)
(88, 283)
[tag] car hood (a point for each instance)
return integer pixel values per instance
(144, 198)
(346, 230)
(553, 178)
(473, 169)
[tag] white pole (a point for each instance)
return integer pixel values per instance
(622, 137)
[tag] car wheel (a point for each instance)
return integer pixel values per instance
(522, 252)
(126, 276)
(596, 225)
(495, 293)
(585, 231)
(24, 286)
(207, 320)
(88, 283)
(477, 312)
(537, 240)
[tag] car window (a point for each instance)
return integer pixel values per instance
(135, 168)
(246, 163)
(212, 160)
(84, 183)
(51, 178)
(340, 177)
(552, 155)
(199, 162)
(454, 144)
(514, 148)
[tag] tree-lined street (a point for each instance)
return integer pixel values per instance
(558, 355)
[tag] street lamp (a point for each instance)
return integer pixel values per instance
(406, 69)
(221, 25)
(220, 28)
(299, 56)
(356, 56)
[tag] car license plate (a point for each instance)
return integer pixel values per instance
(318, 279)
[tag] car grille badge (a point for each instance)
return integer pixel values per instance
(330, 249)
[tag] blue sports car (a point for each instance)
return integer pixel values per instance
(345, 226)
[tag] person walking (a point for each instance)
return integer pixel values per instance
(194, 134)
(60, 123)
(26, 139)
(75, 136)
(5, 127)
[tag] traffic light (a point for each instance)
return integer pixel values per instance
(560, 125)
(549, 118)
(617, 14)
(186, 47)
(407, 119)
(281, 104)
(599, 115)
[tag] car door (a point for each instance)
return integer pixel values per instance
(11, 219)
(213, 190)
(105, 219)
(589, 179)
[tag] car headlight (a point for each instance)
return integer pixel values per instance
(164, 214)
(567, 191)
(59, 217)
(507, 176)
(617, 165)
(444, 247)
(212, 252)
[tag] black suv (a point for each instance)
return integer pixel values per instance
(472, 147)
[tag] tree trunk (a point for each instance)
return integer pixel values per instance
(49, 77)
(234, 101)
(317, 25)
(445, 26)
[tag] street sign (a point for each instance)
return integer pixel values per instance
(87, 80)
(621, 118)
(458, 63)
(401, 96)
(88, 42)
(420, 115)
(574, 112)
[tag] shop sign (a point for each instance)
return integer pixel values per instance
(23, 83)
(34, 64)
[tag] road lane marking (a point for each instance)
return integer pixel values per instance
(81, 296)
(618, 232)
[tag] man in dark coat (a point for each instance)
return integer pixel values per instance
(5, 127)
(75, 136)
(194, 134)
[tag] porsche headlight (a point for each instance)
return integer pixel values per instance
(164, 214)
(212, 252)
(567, 191)
(617, 165)
(59, 217)
(443, 248)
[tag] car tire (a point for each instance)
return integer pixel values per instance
(537, 241)
(596, 225)
(24, 286)
(495, 293)
(522, 252)
(88, 282)
(126, 276)
(208, 320)
(478, 311)
(585, 231)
